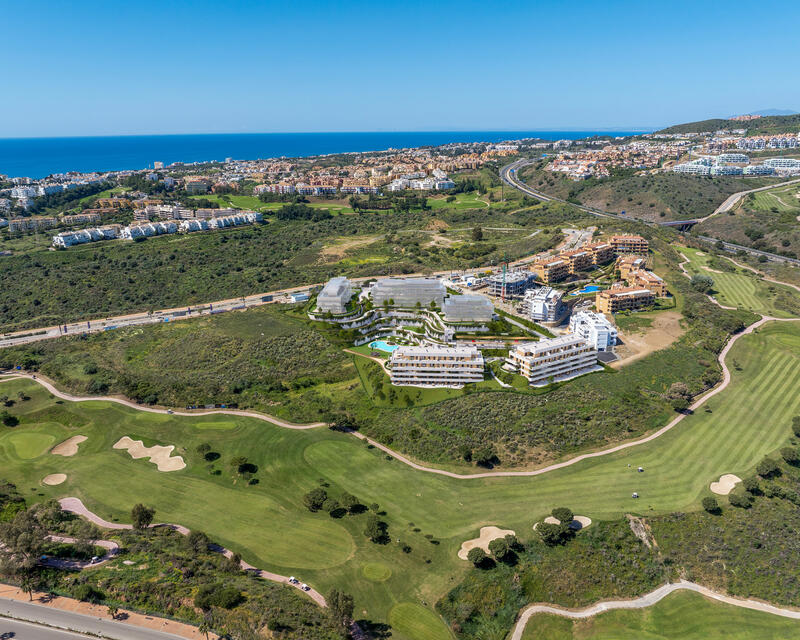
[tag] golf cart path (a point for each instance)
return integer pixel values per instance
(644, 601)
(76, 506)
(726, 378)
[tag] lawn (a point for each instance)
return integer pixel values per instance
(462, 201)
(268, 524)
(741, 288)
(680, 616)
(777, 200)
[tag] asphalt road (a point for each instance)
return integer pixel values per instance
(48, 617)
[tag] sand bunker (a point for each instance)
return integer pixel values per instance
(54, 479)
(578, 522)
(159, 455)
(69, 447)
(487, 535)
(725, 485)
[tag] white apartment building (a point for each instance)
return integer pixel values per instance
(595, 328)
(726, 170)
(733, 157)
(335, 295)
(407, 292)
(692, 168)
(435, 366)
(544, 304)
(788, 163)
(552, 359)
(758, 170)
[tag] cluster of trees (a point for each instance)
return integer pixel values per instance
(298, 211)
(504, 550)
(554, 534)
(63, 199)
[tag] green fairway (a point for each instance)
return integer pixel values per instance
(269, 525)
(376, 572)
(778, 200)
(416, 621)
(462, 201)
(680, 616)
(741, 288)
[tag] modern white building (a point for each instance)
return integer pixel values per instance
(544, 304)
(788, 163)
(435, 366)
(552, 359)
(468, 308)
(693, 168)
(335, 295)
(758, 170)
(733, 157)
(408, 292)
(512, 284)
(595, 328)
(726, 170)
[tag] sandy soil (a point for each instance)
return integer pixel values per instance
(437, 225)
(69, 447)
(725, 485)
(337, 251)
(712, 270)
(54, 479)
(487, 535)
(159, 455)
(665, 330)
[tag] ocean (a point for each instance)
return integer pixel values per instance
(40, 157)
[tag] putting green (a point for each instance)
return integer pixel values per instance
(416, 622)
(679, 616)
(376, 572)
(29, 445)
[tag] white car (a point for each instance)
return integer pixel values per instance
(305, 587)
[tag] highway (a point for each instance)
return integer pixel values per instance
(52, 624)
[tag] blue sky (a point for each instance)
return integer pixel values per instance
(104, 68)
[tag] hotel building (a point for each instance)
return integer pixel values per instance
(435, 366)
(621, 298)
(629, 244)
(552, 359)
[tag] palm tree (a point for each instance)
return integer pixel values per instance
(27, 585)
(113, 610)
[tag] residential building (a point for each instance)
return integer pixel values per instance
(648, 280)
(80, 218)
(335, 295)
(544, 305)
(629, 263)
(629, 244)
(619, 299)
(435, 366)
(595, 328)
(602, 252)
(408, 292)
(468, 308)
(552, 359)
(758, 170)
(300, 296)
(20, 225)
(511, 284)
(577, 259)
(551, 270)
(733, 157)
(726, 170)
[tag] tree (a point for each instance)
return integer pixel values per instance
(142, 516)
(477, 556)
(739, 500)
(553, 534)
(238, 463)
(315, 498)
(27, 584)
(563, 515)
(751, 484)
(8, 420)
(350, 502)
(197, 541)
(340, 605)
(498, 548)
(477, 234)
(789, 454)
(796, 426)
(205, 627)
(113, 610)
(375, 530)
(203, 449)
(679, 396)
(23, 540)
(767, 468)
(702, 283)
(710, 504)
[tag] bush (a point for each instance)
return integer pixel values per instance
(8, 420)
(553, 534)
(315, 498)
(739, 500)
(702, 283)
(796, 426)
(710, 504)
(217, 595)
(767, 468)
(499, 548)
(751, 484)
(477, 556)
(563, 515)
(789, 454)
(87, 593)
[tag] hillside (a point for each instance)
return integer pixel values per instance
(762, 126)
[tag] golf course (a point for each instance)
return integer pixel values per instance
(261, 513)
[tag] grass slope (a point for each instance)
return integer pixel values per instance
(679, 616)
(267, 523)
(762, 126)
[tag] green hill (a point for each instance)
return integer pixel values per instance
(762, 126)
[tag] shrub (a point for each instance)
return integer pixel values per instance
(767, 468)
(789, 454)
(739, 500)
(751, 484)
(217, 595)
(499, 548)
(8, 420)
(315, 498)
(552, 534)
(87, 593)
(563, 515)
(796, 426)
(477, 556)
(710, 504)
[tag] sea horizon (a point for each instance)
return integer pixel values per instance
(42, 156)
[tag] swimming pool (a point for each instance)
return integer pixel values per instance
(383, 346)
(589, 288)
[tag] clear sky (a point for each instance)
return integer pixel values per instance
(190, 66)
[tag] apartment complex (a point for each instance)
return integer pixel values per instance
(577, 260)
(602, 252)
(552, 359)
(468, 308)
(551, 270)
(629, 263)
(619, 299)
(512, 284)
(629, 244)
(648, 280)
(435, 366)
(544, 305)
(408, 292)
(335, 295)
(595, 328)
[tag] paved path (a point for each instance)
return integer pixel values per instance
(75, 505)
(646, 600)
